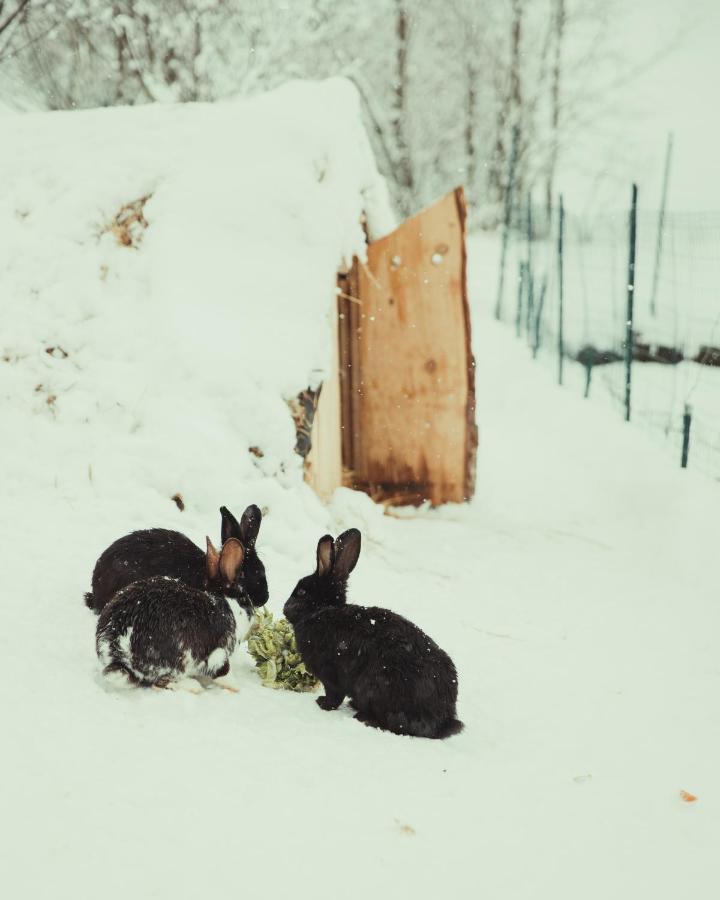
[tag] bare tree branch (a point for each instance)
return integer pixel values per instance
(15, 15)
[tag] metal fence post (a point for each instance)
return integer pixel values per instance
(561, 340)
(530, 290)
(538, 317)
(687, 420)
(661, 226)
(629, 334)
(522, 276)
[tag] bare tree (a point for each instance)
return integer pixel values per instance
(404, 169)
(442, 85)
(471, 115)
(508, 83)
(559, 22)
(12, 15)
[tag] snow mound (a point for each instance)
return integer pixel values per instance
(155, 363)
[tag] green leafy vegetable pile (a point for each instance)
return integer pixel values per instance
(272, 646)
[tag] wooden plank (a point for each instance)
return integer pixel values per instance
(348, 314)
(323, 464)
(471, 429)
(409, 396)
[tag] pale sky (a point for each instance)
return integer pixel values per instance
(680, 93)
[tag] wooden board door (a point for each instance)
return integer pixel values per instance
(407, 375)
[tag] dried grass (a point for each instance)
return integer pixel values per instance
(129, 223)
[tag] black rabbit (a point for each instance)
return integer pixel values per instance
(397, 677)
(158, 632)
(158, 551)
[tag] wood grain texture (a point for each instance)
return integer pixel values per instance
(323, 464)
(407, 373)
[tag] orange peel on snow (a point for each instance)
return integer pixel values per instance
(687, 797)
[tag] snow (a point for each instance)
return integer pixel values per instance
(595, 314)
(222, 311)
(576, 594)
(658, 75)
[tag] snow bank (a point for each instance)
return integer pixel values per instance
(172, 358)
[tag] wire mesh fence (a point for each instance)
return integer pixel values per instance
(674, 337)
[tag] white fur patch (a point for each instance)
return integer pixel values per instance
(190, 665)
(216, 660)
(243, 624)
(103, 651)
(124, 645)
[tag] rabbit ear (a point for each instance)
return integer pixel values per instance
(212, 561)
(347, 552)
(232, 557)
(250, 525)
(325, 556)
(230, 527)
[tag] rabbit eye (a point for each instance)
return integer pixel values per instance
(301, 592)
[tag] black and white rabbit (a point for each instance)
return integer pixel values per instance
(158, 551)
(396, 677)
(159, 632)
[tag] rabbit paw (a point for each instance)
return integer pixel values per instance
(186, 684)
(328, 703)
(227, 683)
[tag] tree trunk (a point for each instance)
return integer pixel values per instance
(560, 21)
(515, 61)
(121, 54)
(15, 16)
(471, 116)
(404, 176)
(509, 113)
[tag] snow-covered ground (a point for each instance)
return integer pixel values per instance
(576, 593)
(687, 317)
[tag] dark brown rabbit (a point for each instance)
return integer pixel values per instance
(158, 632)
(397, 678)
(157, 551)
